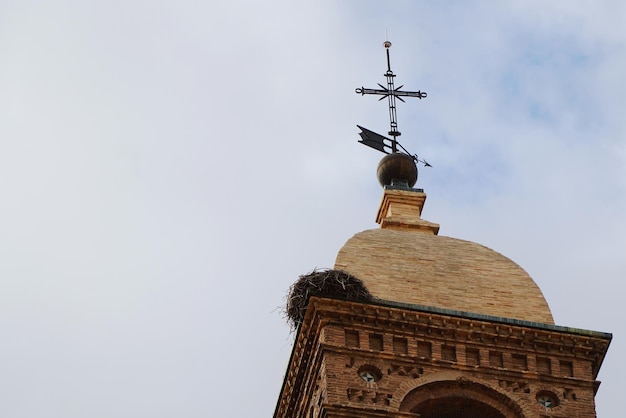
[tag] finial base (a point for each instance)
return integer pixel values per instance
(402, 209)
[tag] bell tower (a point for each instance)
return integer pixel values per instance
(409, 323)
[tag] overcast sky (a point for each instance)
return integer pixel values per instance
(169, 168)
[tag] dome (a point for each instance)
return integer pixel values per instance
(409, 266)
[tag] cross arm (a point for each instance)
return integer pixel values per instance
(363, 91)
(396, 92)
(420, 94)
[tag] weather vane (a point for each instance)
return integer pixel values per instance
(380, 142)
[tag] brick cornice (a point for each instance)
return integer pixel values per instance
(513, 335)
(434, 324)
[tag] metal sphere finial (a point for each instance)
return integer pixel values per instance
(397, 167)
(387, 44)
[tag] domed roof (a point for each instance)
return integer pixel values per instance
(411, 266)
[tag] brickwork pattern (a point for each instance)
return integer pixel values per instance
(425, 269)
(372, 361)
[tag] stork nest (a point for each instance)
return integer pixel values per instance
(334, 284)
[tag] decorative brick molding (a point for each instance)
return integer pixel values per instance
(332, 349)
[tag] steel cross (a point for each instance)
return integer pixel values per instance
(391, 92)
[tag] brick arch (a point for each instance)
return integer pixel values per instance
(442, 390)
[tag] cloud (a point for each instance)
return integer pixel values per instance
(168, 171)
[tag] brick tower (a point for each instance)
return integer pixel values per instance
(441, 327)
(453, 329)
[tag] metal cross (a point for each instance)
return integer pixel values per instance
(391, 93)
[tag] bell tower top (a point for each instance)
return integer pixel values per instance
(410, 323)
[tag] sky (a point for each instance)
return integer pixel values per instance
(168, 170)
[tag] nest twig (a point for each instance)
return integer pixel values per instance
(335, 284)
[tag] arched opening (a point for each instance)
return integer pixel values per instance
(456, 407)
(459, 398)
